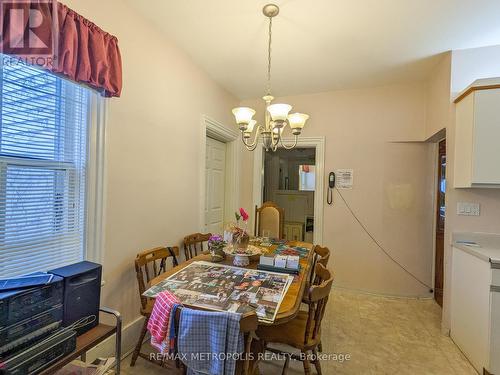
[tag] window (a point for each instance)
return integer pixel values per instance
(307, 178)
(44, 131)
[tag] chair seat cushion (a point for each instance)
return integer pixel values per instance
(291, 333)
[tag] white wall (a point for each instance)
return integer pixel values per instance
(393, 183)
(154, 132)
(438, 97)
(470, 64)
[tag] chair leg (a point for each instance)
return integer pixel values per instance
(285, 368)
(316, 362)
(320, 347)
(307, 365)
(137, 349)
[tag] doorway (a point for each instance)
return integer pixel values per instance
(440, 222)
(290, 181)
(215, 177)
(317, 143)
(219, 181)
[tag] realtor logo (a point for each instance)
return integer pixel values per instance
(28, 30)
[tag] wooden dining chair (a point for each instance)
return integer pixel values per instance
(322, 256)
(269, 217)
(194, 244)
(304, 331)
(148, 265)
(248, 325)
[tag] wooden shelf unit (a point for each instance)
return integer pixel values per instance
(90, 339)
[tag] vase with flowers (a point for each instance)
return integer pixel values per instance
(216, 246)
(240, 231)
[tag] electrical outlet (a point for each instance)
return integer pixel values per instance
(468, 209)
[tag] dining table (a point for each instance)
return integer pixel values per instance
(291, 302)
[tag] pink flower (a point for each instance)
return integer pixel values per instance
(243, 214)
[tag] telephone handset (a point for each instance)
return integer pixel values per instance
(331, 186)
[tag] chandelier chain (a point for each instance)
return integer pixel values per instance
(269, 56)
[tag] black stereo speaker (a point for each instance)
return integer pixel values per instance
(82, 293)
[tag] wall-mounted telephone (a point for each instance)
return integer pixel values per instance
(331, 186)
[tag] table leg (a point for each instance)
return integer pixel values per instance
(257, 348)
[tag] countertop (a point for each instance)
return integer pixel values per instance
(485, 246)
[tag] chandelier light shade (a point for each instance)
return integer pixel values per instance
(276, 116)
(243, 116)
(279, 112)
(250, 126)
(297, 121)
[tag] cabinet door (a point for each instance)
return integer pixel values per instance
(464, 123)
(286, 233)
(463, 142)
(297, 232)
(470, 306)
(486, 143)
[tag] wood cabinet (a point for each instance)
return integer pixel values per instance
(477, 136)
(297, 204)
(294, 231)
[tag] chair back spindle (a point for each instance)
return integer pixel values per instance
(148, 265)
(151, 263)
(321, 256)
(318, 298)
(194, 244)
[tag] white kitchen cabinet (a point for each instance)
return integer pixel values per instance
(475, 299)
(477, 136)
(470, 307)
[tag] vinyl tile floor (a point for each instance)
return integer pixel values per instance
(366, 334)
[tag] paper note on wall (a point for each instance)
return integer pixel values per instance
(344, 178)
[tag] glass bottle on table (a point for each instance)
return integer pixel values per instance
(266, 236)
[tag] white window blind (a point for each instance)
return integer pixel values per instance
(43, 153)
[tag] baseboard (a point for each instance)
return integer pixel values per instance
(130, 334)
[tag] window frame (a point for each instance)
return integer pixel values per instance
(96, 180)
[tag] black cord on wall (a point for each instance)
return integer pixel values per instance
(380, 246)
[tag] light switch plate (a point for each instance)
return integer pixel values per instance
(468, 209)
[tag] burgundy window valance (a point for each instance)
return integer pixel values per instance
(83, 53)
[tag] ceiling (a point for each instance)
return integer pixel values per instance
(322, 45)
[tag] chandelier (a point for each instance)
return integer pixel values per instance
(277, 116)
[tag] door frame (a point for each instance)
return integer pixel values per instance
(216, 130)
(319, 196)
(435, 208)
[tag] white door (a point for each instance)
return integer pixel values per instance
(215, 182)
